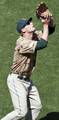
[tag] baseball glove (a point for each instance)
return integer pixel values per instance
(43, 13)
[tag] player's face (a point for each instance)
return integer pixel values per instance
(29, 28)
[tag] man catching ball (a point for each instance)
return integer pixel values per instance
(24, 94)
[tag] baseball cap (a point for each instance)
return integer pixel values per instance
(22, 23)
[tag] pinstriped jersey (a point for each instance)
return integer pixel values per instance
(24, 56)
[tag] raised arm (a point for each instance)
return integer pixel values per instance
(42, 43)
(44, 14)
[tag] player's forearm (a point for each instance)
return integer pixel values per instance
(45, 32)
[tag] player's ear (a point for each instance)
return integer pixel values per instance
(21, 33)
(23, 30)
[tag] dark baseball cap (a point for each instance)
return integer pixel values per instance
(22, 23)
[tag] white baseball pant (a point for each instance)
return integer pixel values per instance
(21, 91)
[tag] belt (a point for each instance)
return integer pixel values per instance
(23, 77)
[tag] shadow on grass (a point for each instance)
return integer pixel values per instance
(51, 116)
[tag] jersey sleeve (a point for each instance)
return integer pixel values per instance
(41, 44)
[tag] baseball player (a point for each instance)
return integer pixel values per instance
(25, 96)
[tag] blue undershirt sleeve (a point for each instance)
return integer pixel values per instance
(41, 44)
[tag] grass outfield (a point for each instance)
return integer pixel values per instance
(46, 75)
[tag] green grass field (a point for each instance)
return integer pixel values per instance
(46, 75)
